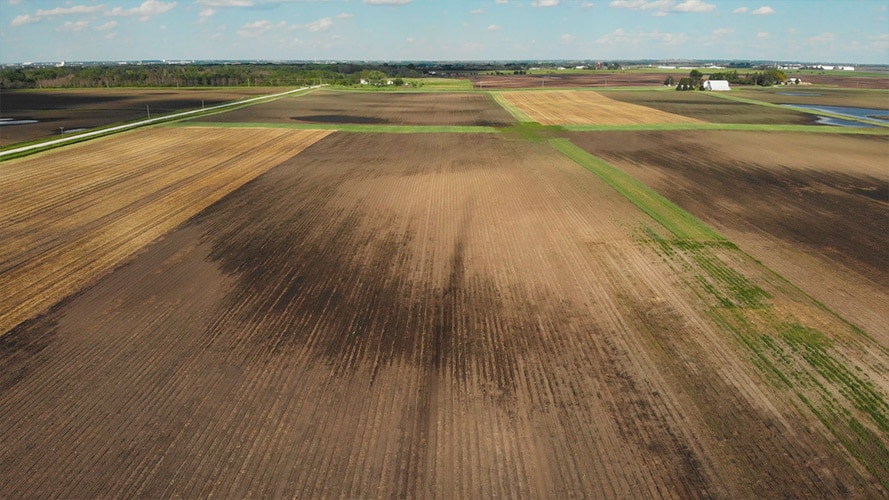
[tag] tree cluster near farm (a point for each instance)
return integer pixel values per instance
(550, 293)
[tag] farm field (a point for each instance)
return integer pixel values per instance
(205, 309)
(818, 96)
(573, 80)
(374, 108)
(89, 108)
(572, 107)
(815, 211)
(712, 109)
(70, 217)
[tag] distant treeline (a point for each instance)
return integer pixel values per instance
(197, 75)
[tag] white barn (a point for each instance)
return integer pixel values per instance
(716, 85)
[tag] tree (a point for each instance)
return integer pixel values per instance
(668, 82)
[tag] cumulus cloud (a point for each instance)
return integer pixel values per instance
(545, 3)
(110, 25)
(694, 6)
(206, 14)
(763, 11)
(64, 11)
(739, 10)
(322, 24)
(493, 27)
(825, 37)
(15, 2)
(145, 11)
(762, 35)
(258, 28)
(344, 15)
(24, 19)
(587, 5)
(476, 12)
(73, 26)
(387, 2)
(227, 3)
(566, 38)
(621, 37)
(501, 1)
(723, 32)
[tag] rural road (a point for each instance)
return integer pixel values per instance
(141, 123)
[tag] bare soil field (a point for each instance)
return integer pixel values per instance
(429, 316)
(90, 108)
(569, 107)
(846, 82)
(814, 209)
(381, 108)
(818, 96)
(705, 107)
(71, 215)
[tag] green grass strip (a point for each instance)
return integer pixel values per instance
(679, 222)
(351, 127)
(514, 111)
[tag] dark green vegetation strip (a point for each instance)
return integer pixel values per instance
(352, 127)
(681, 223)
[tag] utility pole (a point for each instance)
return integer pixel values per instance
(149, 110)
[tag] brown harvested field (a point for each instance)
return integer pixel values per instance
(72, 215)
(709, 108)
(573, 80)
(432, 315)
(814, 208)
(848, 82)
(89, 108)
(816, 96)
(569, 107)
(377, 108)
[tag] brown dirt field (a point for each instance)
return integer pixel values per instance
(73, 214)
(819, 96)
(708, 108)
(468, 316)
(567, 107)
(814, 208)
(846, 82)
(90, 108)
(495, 82)
(383, 108)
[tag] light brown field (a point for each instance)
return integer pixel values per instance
(569, 107)
(71, 215)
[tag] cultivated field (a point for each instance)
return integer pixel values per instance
(205, 311)
(375, 108)
(814, 209)
(573, 80)
(69, 217)
(712, 109)
(585, 107)
(90, 108)
(817, 96)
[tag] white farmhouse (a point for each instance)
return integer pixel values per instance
(716, 85)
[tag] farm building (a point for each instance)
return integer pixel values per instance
(716, 85)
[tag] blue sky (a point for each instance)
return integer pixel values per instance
(839, 31)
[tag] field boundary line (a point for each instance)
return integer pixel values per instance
(681, 223)
(753, 127)
(518, 114)
(141, 123)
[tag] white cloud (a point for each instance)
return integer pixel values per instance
(739, 10)
(206, 14)
(476, 12)
(501, 1)
(146, 10)
(73, 26)
(258, 28)
(24, 19)
(545, 3)
(879, 43)
(621, 37)
(322, 24)
(642, 4)
(763, 11)
(566, 38)
(226, 3)
(762, 35)
(694, 6)
(493, 27)
(410, 39)
(587, 5)
(344, 15)
(64, 11)
(110, 25)
(723, 31)
(387, 2)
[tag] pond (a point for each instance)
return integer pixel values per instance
(870, 115)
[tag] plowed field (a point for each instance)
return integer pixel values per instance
(815, 209)
(380, 108)
(430, 315)
(567, 107)
(70, 216)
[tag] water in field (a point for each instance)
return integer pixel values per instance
(871, 116)
(12, 121)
